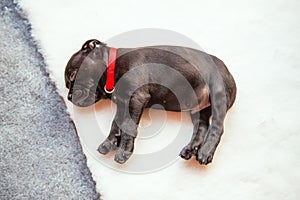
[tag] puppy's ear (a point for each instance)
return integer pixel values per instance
(96, 43)
(103, 44)
(92, 44)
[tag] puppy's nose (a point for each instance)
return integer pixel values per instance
(69, 96)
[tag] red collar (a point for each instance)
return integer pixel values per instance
(110, 72)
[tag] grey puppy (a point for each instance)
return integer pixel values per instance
(177, 78)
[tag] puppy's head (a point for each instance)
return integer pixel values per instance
(84, 73)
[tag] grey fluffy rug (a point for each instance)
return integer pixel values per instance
(40, 154)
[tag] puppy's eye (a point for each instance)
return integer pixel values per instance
(72, 76)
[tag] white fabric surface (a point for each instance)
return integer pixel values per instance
(259, 154)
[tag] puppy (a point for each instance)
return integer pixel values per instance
(177, 78)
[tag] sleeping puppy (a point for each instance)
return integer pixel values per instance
(177, 78)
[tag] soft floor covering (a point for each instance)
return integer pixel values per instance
(40, 155)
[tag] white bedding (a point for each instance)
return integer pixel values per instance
(259, 154)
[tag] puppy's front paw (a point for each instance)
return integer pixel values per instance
(122, 156)
(205, 154)
(107, 146)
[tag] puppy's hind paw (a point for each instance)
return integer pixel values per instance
(205, 155)
(186, 152)
(204, 159)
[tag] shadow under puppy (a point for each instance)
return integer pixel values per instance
(178, 78)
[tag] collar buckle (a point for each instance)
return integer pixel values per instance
(109, 91)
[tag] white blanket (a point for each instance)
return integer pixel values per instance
(258, 157)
